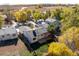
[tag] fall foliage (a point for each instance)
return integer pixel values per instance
(60, 49)
(72, 34)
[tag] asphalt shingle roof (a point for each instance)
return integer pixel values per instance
(7, 31)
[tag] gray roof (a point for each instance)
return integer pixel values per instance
(50, 20)
(43, 24)
(9, 30)
(24, 28)
(40, 20)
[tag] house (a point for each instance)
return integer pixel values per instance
(50, 20)
(40, 21)
(34, 34)
(9, 33)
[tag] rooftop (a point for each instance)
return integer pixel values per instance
(9, 30)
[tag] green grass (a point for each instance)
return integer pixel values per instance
(25, 52)
(40, 51)
(43, 49)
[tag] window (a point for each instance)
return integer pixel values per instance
(36, 26)
(34, 33)
(42, 34)
(14, 34)
(8, 34)
(3, 36)
(34, 38)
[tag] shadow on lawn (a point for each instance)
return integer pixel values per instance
(38, 45)
(34, 46)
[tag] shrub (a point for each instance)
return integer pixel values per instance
(60, 49)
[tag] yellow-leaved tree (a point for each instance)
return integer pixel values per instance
(1, 20)
(71, 36)
(60, 49)
(22, 15)
(37, 15)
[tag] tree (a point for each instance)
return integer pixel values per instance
(29, 14)
(22, 15)
(56, 13)
(60, 49)
(37, 15)
(48, 13)
(69, 18)
(43, 16)
(1, 21)
(8, 12)
(54, 28)
(71, 35)
(17, 15)
(51, 28)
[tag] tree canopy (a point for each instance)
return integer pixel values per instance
(60, 49)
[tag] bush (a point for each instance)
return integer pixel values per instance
(60, 49)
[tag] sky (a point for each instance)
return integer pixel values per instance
(13, 2)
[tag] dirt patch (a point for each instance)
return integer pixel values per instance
(12, 49)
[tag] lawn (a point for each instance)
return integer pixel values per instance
(39, 51)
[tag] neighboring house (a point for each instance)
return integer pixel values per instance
(50, 20)
(39, 21)
(8, 34)
(47, 22)
(42, 23)
(55, 22)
